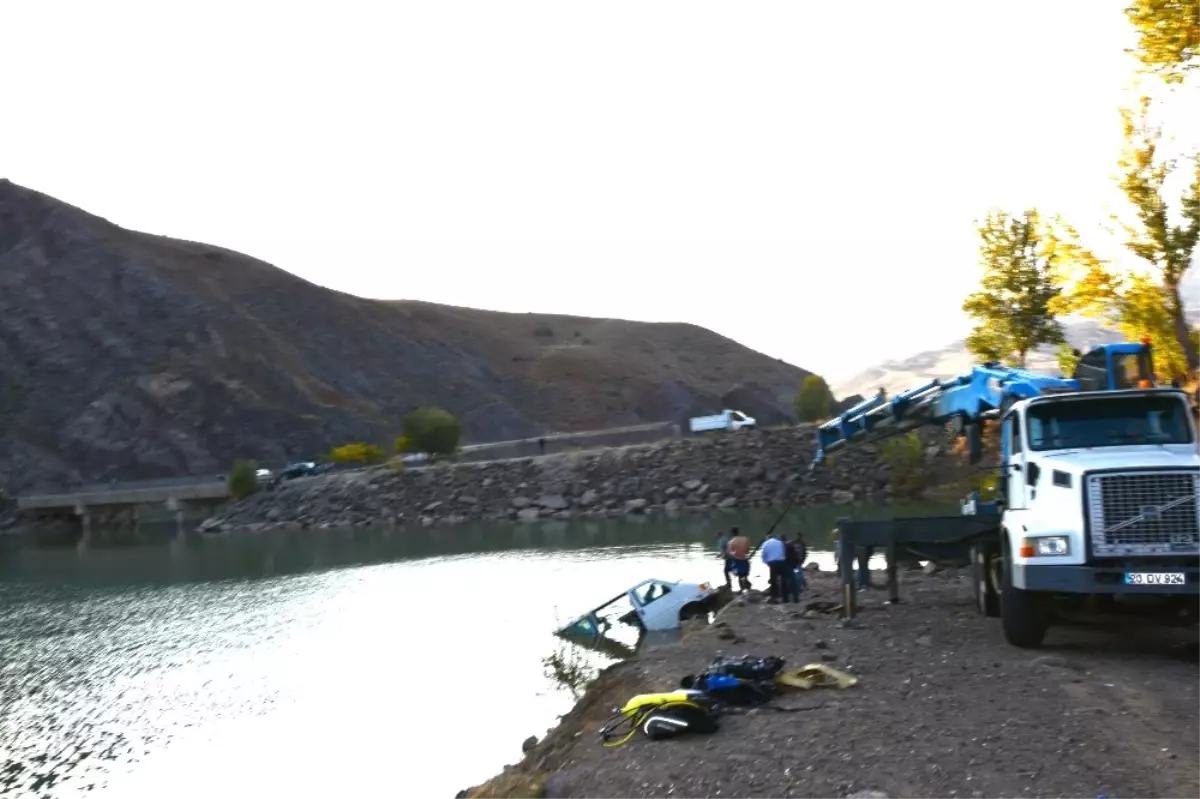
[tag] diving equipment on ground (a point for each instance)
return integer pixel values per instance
(660, 716)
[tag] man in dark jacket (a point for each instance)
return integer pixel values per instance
(800, 547)
(789, 587)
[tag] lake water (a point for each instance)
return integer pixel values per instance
(364, 663)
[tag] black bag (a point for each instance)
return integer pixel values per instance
(675, 719)
(748, 668)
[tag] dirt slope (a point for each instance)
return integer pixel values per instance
(944, 707)
(128, 355)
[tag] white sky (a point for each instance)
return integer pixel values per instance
(800, 176)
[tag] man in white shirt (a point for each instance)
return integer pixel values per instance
(774, 554)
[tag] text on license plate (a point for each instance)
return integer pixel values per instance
(1154, 578)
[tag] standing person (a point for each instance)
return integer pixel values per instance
(723, 550)
(542, 446)
(739, 556)
(801, 548)
(791, 584)
(774, 554)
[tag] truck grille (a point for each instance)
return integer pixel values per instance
(1144, 514)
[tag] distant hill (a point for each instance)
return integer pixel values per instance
(128, 355)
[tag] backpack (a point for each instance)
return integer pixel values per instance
(679, 718)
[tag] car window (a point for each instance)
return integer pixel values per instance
(652, 591)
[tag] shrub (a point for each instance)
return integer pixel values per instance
(357, 452)
(243, 479)
(905, 457)
(433, 430)
(405, 445)
(814, 400)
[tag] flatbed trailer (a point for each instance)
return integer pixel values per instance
(938, 538)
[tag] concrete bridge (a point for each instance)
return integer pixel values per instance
(104, 503)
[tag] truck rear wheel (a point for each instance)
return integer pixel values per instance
(1022, 614)
(987, 599)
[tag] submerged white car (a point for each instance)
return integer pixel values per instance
(657, 605)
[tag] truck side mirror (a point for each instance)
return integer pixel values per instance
(1033, 473)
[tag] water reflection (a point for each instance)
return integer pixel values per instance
(122, 668)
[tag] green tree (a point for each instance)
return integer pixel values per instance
(814, 400)
(243, 479)
(1168, 36)
(1012, 309)
(905, 458)
(1146, 302)
(433, 430)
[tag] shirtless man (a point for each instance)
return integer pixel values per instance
(739, 554)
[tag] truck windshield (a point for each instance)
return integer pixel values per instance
(1108, 422)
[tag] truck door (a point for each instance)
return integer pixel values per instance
(1014, 475)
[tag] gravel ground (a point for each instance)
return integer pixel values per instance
(944, 707)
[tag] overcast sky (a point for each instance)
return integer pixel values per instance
(800, 176)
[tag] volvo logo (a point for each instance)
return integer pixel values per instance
(1151, 513)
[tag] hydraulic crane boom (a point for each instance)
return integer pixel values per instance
(983, 393)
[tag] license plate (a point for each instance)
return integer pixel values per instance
(1154, 578)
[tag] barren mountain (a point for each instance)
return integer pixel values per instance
(127, 355)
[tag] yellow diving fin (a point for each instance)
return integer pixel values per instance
(641, 700)
(815, 675)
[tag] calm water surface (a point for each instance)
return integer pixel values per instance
(365, 663)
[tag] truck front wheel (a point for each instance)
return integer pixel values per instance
(1022, 614)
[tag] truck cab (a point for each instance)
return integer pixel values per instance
(1099, 494)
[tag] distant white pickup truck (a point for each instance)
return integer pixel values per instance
(725, 420)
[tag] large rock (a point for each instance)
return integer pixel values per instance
(636, 506)
(553, 501)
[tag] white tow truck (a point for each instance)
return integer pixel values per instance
(1099, 483)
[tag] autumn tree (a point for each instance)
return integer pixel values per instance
(1168, 36)
(1145, 301)
(1012, 309)
(814, 400)
(357, 452)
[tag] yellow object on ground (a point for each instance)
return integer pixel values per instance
(814, 675)
(642, 700)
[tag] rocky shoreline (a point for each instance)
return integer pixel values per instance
(746, 469)
(943, 707)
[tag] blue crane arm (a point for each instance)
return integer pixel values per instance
(968, 399)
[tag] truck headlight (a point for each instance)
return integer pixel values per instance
(1051, 545)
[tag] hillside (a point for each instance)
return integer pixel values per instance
(127, 355)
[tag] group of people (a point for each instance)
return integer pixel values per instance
(783, 556)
